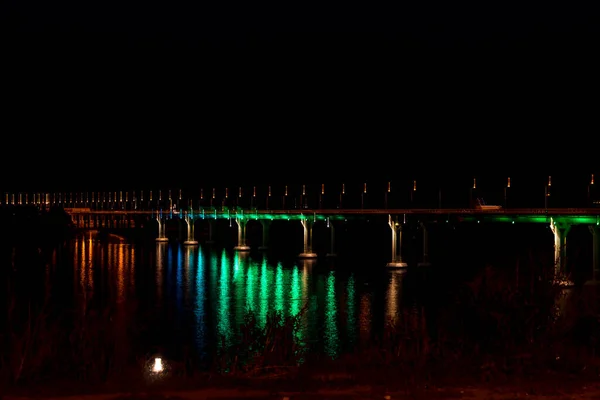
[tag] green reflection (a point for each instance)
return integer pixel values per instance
(239, 286)
(224, 307)
(351, 311)
(279, 288)
(331, 331)
(199, 308)
(251, 288)
(264, 295)
(295, 293)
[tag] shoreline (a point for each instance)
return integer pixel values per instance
(550, 384)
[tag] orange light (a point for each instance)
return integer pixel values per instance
(322, 188)
(592, 182)
(389, 186)
(474, 183)
(365, 188)
(508, 183)
(343, 188)
(269, 191)
(549, 181)
(414, 186)
(303, 190)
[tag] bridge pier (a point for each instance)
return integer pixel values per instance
(308, 237)
(425, 261)
(396, 245)
(595, 231)
(191, 241)
(241, 243)
(560, 230)
(331, 239)
(211, 224)
(161, 231)
(266, 227)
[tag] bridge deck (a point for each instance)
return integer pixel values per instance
(341, 212)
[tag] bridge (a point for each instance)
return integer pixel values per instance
(93, 210)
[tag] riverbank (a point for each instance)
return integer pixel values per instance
(555, 386)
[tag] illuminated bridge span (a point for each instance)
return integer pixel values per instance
(560, 221)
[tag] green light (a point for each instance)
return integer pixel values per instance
(223, 304)
(199, 308)
(331, 332)
(264, 295)
(295, 294)
(279, 289)
(351, 310)
(251, 280)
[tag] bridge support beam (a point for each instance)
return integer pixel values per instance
(241, 243)
(331, 239)
(595, 230)
(307, 224)
(190, 241)
(162, 237)
(211, 226)
(396, 244)
(560, 230)
(266, 227)
(425, 261)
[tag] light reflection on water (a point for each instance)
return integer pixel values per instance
(203, 294)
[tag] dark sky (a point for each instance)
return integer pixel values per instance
(113, 91)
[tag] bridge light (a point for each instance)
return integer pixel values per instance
(240, 192)
(365, 188)
(592, 181)
(286, 192)
(226, 193)
(254, 191)
(389, 186)
(214, 193)
(474, 183)
(414, 186)
(508, 183)
(322, 188)
(201, 194)
(549, 181)
(151, 195)
(343, 188)
(179, 194)
(269, 191)
(303, 190)
(160, 195)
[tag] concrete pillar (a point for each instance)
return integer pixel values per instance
(241, 227)
(161, 230)
(331, 227)
(266, 227)
(595, 231)
(396, 228)
(307, 225)
(425, 261)
(190, 240)
(560, 229)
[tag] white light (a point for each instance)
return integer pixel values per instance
(158, 367)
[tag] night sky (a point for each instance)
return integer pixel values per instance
(167, 92)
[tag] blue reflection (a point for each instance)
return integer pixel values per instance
(179, 282)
